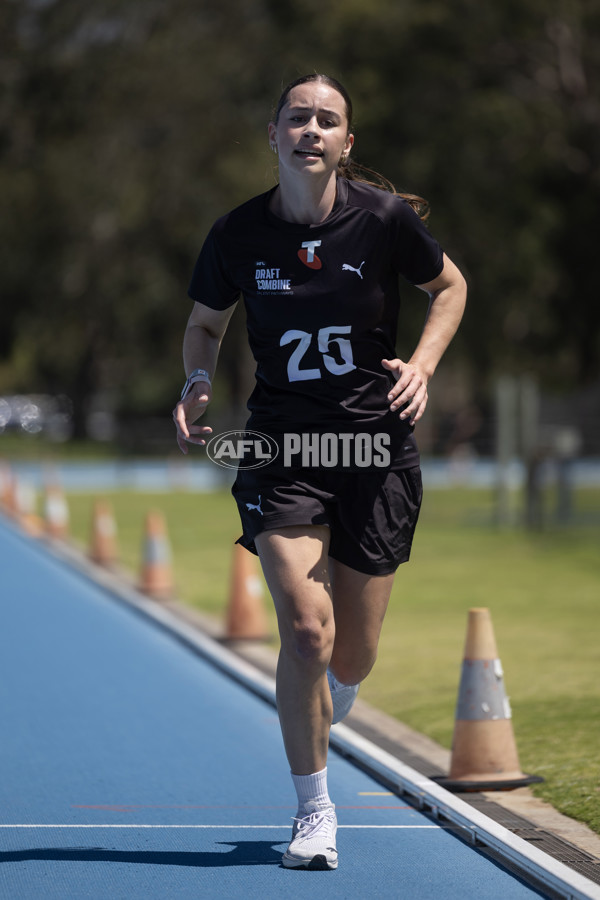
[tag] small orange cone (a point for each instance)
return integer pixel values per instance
(103, 544)
(24, 507)
(157, 578)
(246, 617)
(484, 753)
(56, 512)
(7, 494)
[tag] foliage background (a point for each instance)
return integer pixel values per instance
(127, 127)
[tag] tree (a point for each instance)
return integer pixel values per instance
(127, 127)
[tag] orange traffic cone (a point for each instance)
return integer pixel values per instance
(7, 494)
(103, 544)
(157, 578)
(24, 507)
(246, 617)
(56, 512)
(484, 753)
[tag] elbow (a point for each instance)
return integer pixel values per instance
(462, 291)
(458, 291)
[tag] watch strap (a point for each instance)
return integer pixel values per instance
(193, 377)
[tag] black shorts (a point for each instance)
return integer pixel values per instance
(371, 514)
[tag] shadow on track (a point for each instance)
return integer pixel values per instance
(244, 853)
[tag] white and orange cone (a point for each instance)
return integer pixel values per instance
(7, 493)
(484, 753)
(25, 506)
(157, 575)
(103, 542)
(56, 512)
(246, 617)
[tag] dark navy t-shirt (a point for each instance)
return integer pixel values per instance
(322, 305)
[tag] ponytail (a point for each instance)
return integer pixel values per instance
(354, 171)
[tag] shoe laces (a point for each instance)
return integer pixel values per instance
(311, 825)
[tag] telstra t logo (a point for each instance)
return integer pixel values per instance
(308, 256)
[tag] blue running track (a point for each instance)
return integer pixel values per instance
(132, 768)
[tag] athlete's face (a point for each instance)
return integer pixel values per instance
(311, 133)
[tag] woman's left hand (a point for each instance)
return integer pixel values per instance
(410, 389)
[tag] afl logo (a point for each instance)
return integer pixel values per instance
(308, 256)
(242, 450)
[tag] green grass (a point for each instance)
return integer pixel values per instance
(36, 448)
(542, 589)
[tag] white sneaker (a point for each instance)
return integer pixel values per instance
(313, 840)
(342, 696)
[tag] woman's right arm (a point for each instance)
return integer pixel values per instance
(201, 343)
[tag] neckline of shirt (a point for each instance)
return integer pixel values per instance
(341, 197)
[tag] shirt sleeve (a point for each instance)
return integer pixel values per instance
(211, 282)
(416, 255)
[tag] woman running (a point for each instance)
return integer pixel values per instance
(317, 260)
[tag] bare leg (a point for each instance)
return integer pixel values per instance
(329, 615)
(359, 602)
(295, 563)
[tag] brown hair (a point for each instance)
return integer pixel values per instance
(351, 170)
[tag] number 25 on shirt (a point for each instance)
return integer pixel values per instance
(331, 334)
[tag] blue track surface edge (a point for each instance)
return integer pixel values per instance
(532, 863)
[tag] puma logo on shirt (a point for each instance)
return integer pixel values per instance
(348, 268)
(256, 506)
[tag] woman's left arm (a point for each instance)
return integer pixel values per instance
(448, 293)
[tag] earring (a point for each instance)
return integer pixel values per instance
(274, 148)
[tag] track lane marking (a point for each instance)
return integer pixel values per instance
(233, 827)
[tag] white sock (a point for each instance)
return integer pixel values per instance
(312, 787)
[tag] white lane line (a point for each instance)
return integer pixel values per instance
(406, 827)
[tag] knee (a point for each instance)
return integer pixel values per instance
(311, 640)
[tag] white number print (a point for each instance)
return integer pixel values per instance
(325, 337)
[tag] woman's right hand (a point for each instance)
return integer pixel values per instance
(188, 411)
